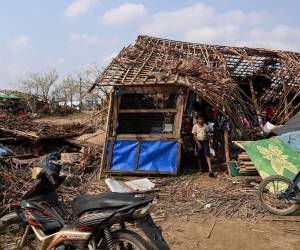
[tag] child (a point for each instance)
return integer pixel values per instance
(200, 133)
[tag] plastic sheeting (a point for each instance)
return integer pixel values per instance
(160, 156)
(156, 156)
(4, 151)
(124, 155)
(292, 125)
(292, 139)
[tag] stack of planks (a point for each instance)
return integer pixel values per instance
(245, 164)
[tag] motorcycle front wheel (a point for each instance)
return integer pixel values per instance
(127, 240)
(269, 192)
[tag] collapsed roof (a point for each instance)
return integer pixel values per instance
(216, 73)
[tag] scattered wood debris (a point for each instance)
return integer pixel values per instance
(245, 164)
(38, 131)
(186, 197)
(15, 180)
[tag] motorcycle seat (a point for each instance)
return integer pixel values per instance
(86, 202)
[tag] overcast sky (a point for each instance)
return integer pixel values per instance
(68, 35)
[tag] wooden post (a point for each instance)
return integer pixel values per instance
(226, 146)
(98, 177)
(178, 117)
(285, 95)
(257, 109)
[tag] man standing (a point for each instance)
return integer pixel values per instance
(200, 133)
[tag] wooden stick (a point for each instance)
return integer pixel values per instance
(226, 146)
(211, 229)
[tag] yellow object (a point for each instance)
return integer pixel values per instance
(35, 172)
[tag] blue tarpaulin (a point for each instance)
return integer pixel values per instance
(4, 151)
(124, 155)
(292, 139)
(156, 156)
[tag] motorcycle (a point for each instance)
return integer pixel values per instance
(96, 221)
(280, 195)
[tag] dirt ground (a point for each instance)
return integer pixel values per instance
(230, 234)
(75, 117)
(191, 232)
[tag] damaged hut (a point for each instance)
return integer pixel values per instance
(159, 85)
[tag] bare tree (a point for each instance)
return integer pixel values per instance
(68, 90)
(86, 78)
(39, 84)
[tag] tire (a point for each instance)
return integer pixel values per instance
(129, 237)
(292, 207)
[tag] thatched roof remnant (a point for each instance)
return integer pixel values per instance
(214, 72)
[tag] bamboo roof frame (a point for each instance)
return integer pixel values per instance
(214, 72)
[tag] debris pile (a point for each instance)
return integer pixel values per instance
(245, 164)
(39, 131)
(15, 180)
(25, 142)
(188, 197)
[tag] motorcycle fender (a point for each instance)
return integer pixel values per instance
(153, 232)
(9, 219)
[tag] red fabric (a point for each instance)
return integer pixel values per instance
(270, 112)
(213, 114)
(22, 115)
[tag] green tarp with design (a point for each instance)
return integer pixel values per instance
(273, 157)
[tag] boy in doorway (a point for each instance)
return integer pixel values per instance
(200, 133)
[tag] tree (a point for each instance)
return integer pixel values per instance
(67, 90)
(86, 79)
(39, 84)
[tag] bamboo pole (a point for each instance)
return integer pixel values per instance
(98, 177)
(257, 109)
(226, 146)
(286, 110)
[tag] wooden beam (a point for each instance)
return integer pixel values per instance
(110, 154)
(148, 111)
(226, 146)
(178, 162)
(150, 137)
(139, 172)
(98, 177)
(257, 108)
(137, 157)
(178, 118)
(285, 96)
(151, 89)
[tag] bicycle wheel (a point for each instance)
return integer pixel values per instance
(269, 191)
